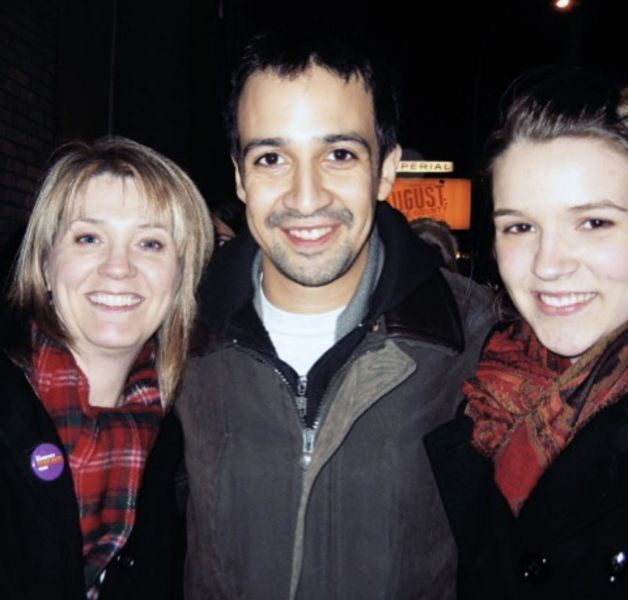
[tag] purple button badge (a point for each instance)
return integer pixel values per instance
(47, 462)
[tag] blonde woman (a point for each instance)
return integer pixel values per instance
(102, 304)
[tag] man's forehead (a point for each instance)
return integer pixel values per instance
(262, 78)
(316, 100)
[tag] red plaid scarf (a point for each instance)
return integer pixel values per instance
(527, 403)
(107, 447)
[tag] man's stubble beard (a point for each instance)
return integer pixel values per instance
(304, 270)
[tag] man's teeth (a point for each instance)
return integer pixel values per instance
(115, 300)
(566, 299)
(310, 234)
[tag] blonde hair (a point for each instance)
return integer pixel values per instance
(167, 190)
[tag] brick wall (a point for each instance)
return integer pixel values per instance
(27, 100)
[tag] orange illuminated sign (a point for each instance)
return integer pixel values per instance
(446, 200)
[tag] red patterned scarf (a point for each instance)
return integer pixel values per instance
(527, 403)
(107, 447)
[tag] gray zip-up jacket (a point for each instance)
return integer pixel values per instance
(345, 508)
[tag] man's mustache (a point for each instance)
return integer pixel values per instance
(280, 218)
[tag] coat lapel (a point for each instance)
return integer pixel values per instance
(25, 425)
(464, 479)
(588, 478)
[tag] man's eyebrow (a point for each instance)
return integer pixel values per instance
(348, 137)
(256, 143)
(596, 205)
(327, 139)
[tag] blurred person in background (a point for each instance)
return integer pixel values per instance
(438, 235)
(228, 219)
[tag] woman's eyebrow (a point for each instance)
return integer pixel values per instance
(507, 212)
(93, 221)
(597, 205)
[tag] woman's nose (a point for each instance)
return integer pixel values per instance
(555, 257)
(117, 262)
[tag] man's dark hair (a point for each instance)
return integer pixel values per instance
(290, 53)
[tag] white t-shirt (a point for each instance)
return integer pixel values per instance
(300, 339)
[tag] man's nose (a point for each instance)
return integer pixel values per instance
(308, 192)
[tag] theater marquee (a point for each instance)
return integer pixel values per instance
(446, 199)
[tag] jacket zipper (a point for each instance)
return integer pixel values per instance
(301, 397)
(309, 437)
(308, 434)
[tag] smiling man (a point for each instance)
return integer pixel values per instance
(335, 343)
(309, 173)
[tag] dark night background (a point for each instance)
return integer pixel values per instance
(154, 71)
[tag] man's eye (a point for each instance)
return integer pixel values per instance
(340, 154)
(270, 159)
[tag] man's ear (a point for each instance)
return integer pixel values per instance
(389, 172)
(238, 180)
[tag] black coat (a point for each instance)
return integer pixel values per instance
(570, 539)
(41, 542)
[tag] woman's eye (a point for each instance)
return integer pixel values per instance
(596, 224)
(86, 238)
(270, 159)
(151, 244)
(517, 228)
(341, 154)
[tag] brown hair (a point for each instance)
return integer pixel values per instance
(552, 102)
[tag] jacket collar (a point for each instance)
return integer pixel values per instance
(411, 292)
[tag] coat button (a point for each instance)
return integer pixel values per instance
(126, 561)
(618, 565)
(535, 568)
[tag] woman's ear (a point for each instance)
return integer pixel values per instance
(44, 272)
